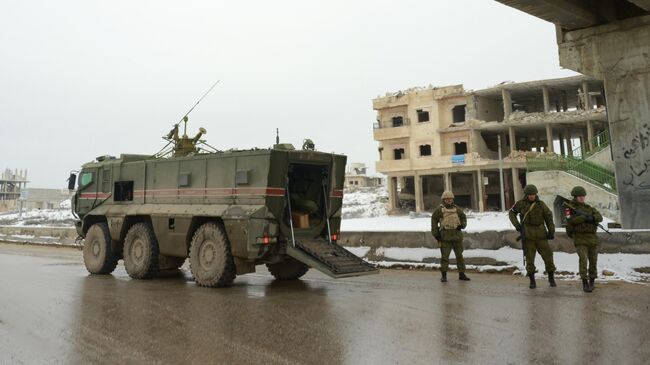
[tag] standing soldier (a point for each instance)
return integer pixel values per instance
(534, 214)
(582, 223)
(447, 222)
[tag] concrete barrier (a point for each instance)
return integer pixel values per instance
(636, 242)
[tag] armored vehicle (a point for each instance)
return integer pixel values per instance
(227, 211)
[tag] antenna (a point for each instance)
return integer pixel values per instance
(277, 135)
(184, 118)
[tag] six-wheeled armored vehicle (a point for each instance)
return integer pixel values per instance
(227, 211)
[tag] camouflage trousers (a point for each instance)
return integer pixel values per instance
(541, 246)
(445, 250)
(587, 255)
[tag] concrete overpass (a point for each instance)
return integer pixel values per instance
(610, 40)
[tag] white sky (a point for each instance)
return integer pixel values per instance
(80, 79)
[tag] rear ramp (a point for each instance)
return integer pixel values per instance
(330, 258)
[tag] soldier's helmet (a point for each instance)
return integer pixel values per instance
(447, 195)
(530, 189)
(578, 191)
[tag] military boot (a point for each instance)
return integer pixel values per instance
(532, 285)
(551, 279)
(462, 276)
(585, 286)
(592, 283)
(443, 279)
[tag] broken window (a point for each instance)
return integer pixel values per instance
(425, 150)
(398, 121)
(399, 153)
(460, 148)
(423, 116)
(381, 149)
(458, 113)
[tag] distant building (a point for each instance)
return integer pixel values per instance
(356, 176)
(446, 138)
(11, 184)
(44, 198)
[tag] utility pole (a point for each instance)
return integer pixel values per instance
(501, 192)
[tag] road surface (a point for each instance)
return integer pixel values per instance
(52, 311)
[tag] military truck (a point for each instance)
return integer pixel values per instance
(227, 211)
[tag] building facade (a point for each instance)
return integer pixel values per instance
(446, 138)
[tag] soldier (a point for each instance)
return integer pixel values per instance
(534, 214)
(582, 223)
(447, 222)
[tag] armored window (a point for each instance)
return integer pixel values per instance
(123, 191)
(425, 150)
(423, 116)
(398, 121)
(86, 179)
(106, 180)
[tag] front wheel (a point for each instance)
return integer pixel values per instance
(211, 261)
(98, 254)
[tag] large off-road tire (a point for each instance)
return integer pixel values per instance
(99, 257)
(141, 252)
(170, 262)
(211, 261)
(289, 269)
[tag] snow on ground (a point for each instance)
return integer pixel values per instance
(617, 266)
(365, 202)
(40, 217)
(476, 222)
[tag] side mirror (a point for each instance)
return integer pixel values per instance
(72, 180)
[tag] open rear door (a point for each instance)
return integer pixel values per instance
(330, 258)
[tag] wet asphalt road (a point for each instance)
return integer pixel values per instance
(52, 311)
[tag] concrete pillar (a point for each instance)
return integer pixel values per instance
(447, 177)
(562, 148)
(507, 103)
(481, 197)
(569, 145)
(419, 197)
(549, 138)
(391, 183)
(585, 92)
(590, 134)
(538, 141)
(618, 54)
(513, 139)
(565, 101)
(547, 104)
(517, 190)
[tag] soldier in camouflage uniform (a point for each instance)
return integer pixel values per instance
(582, 223)
(447, 222)
(535, 214)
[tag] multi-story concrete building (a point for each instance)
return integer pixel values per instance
(437, 138)
(356, 176)
(11, 183)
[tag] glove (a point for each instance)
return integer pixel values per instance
(438, 237)
(550, 235)
(590, 219)
(518, 228)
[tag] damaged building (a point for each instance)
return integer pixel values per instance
(446, 138)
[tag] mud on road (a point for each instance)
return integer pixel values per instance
(52, 311)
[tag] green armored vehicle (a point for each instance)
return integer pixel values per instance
(227, 211)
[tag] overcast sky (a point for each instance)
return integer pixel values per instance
(80, 79)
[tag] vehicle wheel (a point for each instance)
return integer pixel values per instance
(99, 257)
(211, 261)
(170, 262)
(290, 269)
(141, 252)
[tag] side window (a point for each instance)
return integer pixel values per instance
(106, 180)
(123, 191)
(86, 179)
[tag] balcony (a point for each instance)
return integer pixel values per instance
(386, 166)
(390, 131)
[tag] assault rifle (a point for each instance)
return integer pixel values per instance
(567, 203)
